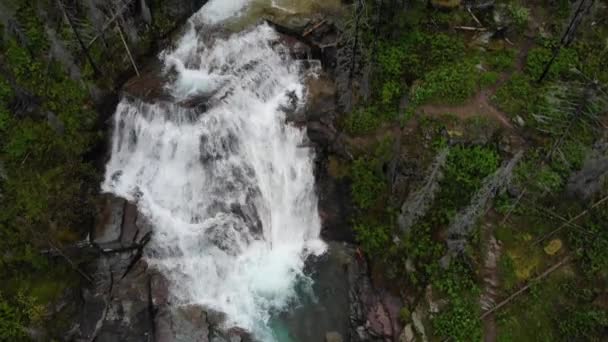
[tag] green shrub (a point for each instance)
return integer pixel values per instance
(374, 239)
(502, 60)
(459, 320)
(537, 178)
(451, 84)
(464, 172)
(362, 121)
(538, 58)
(417, 52)
(518, 96)
(488, 79)
(391, 90)
(520, 15)
(583, 324)
(16, 315)
(592, 247)
(367, 184)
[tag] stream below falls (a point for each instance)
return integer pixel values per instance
(227, 184)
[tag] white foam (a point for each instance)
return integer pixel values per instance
(216, 11)
(209, 181)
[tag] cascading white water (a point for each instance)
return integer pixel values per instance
(229, 188)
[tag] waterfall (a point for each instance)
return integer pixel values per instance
(227, 183)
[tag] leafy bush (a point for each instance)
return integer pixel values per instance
(16, 315)
(418, 52)
(374, 239)
(518, 96)
(538, 58)
(592, 247)
(465, 169)
(583, 324)
(390, 92)
(459, 320)
(362, 121)
(502, 60)
(367, 184)
(451, 84)
(488, 79)
(520, 15)
(539, 180)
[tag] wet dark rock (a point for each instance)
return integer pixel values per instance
(129, 232)
(373, 313)
(186, 323)
(109, 227)
(335, 206)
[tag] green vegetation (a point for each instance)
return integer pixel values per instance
(451, 84)
(488, 79)
(518, 96)
(539, 57)
(16, 315)
(368, 184)
(427, 58)
(501, 60)
(459, 320)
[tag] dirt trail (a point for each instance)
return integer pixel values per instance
(477, 106)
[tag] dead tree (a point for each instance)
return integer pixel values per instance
(461, 226)
(582, 10)
(84, 49)
(419, 201)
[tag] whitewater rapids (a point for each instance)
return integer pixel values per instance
(227, 184)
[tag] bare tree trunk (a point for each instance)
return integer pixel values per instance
(353, 61)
